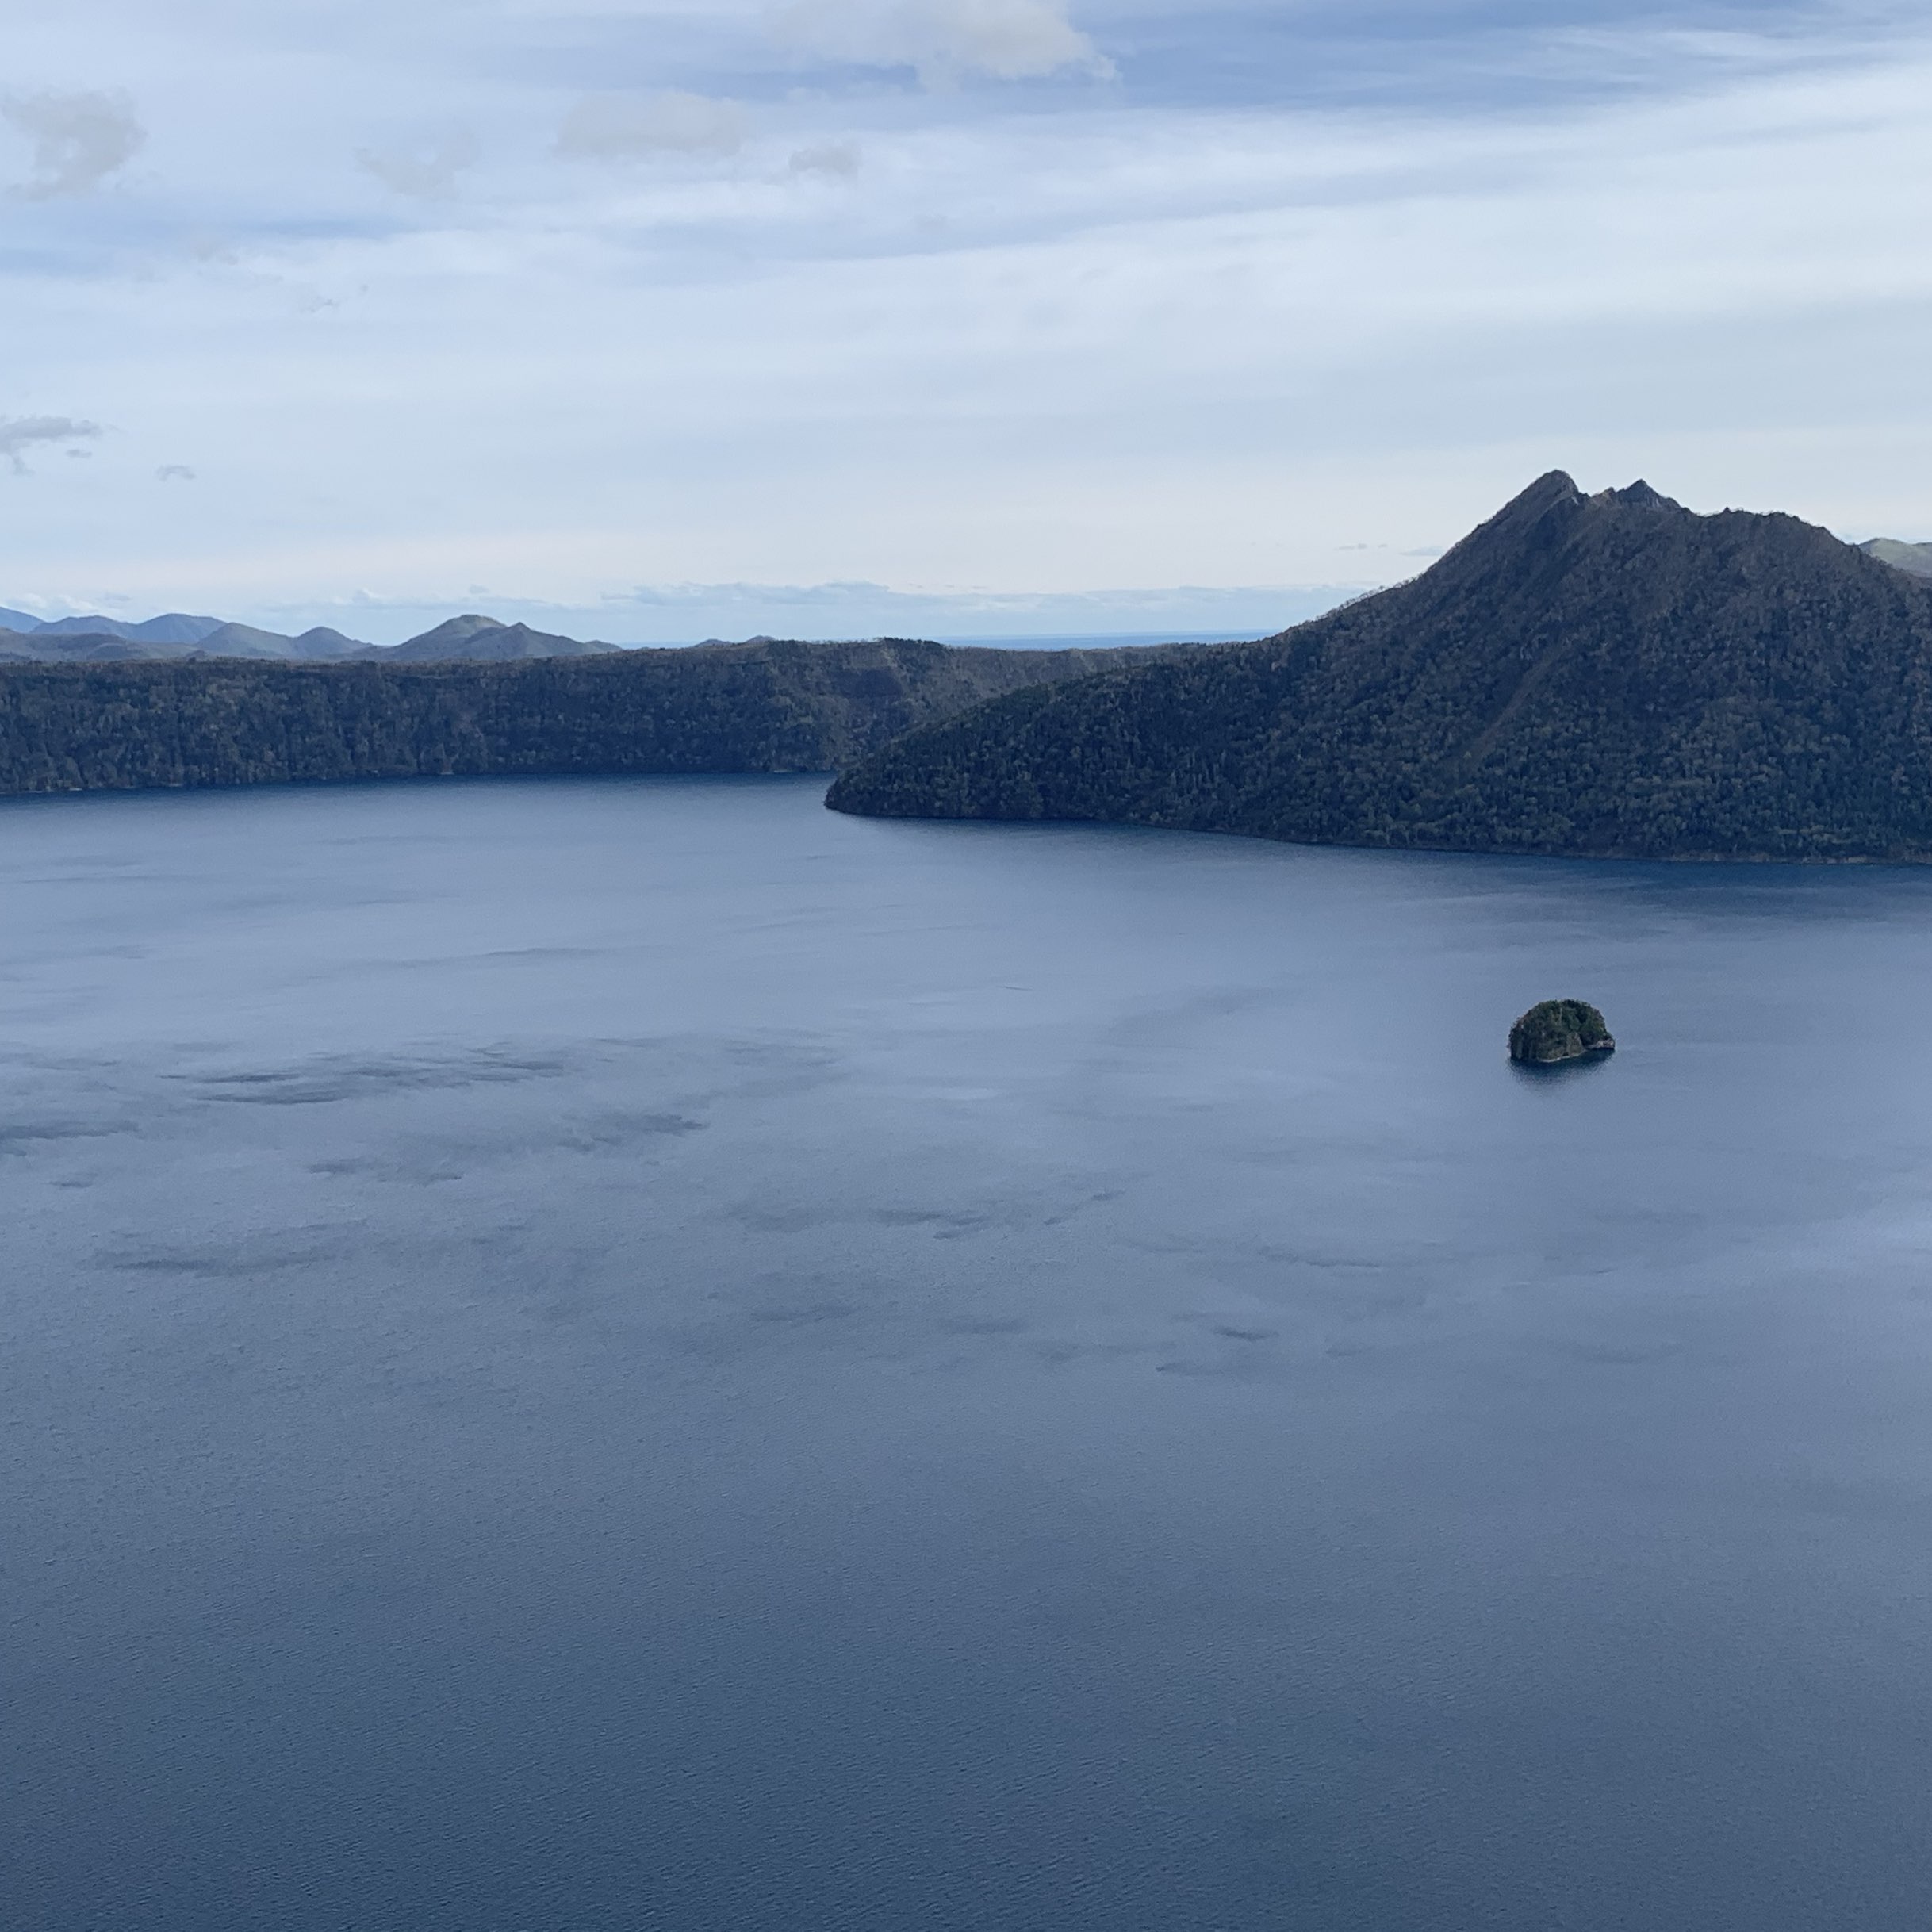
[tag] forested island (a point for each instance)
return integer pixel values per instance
(765, 706)
(1556, 1030)
(1602, 675)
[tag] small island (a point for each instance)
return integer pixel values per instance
(1559, 1030)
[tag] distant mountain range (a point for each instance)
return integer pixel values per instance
(1589, 675)
(1914, 558)
(473, 639)
(175, 628)
(108, 640)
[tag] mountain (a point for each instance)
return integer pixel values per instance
(245, 640)
(1589, 675)
(763, 706)
(321, 641)
(484, 640)
(175, 627)
(1915, 558)
(471, 639)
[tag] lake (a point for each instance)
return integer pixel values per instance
(607, 1354)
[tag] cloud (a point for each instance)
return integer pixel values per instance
(1310, 276)
(19, 434)
(945, 41)
(426, 174)
(837, 158)
(619, 127)
(174, 473)
(79, 140)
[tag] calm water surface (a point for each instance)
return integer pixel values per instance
(598, 1355)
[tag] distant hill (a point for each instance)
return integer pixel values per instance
(1607, 674)
(44, 646)
(471, 639)
(245, 640)
(764, 706)
(70, 639)
(320, 640)
(175, 627)
(1915, 558)
(483, 640)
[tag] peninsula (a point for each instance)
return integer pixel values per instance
(1584, 675)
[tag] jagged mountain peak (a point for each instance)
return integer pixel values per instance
(1613, 673)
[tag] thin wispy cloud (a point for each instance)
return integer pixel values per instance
(426, 172)
(80, 140)
(840, 159)
(20, 434)
(616, 127)
(909, 292)
(944, 42)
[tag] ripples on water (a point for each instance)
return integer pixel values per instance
(608, 1355)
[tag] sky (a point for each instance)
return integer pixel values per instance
(653, 322)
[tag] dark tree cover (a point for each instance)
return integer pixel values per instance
(763, 706)
(1558, 1029)
(1602, 675)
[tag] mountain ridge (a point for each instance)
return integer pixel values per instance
(1601, 675)
(484, 640)
(774, 706)
(1915, 559)
(471, 638)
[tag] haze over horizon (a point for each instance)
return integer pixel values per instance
(962, 317)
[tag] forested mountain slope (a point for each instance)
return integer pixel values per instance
(1607, 674)
(761, 707)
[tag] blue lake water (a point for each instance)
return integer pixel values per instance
(596, 1355)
